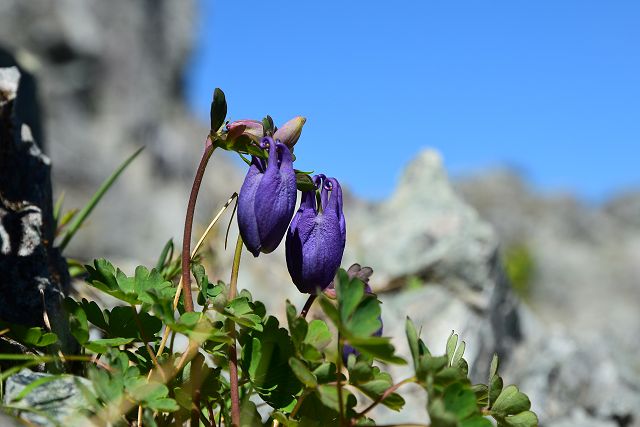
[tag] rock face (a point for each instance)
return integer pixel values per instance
(436, 261)
(110, 80)
(578, 361)
(33, 274)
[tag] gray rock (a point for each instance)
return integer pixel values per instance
(53, 403)
(426, 233)
(577, 361)
(437, 262)
(110, 80)
(33, 274)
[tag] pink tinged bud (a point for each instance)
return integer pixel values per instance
(290, 132)
(253, 128)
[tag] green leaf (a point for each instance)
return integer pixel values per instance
(330, 310)
(297, 325)
(495, 388)
(412, 339)
(102, 345)
(35, 336)
(165, 255)
(350, 294)
(366, 319)
(523, 419)
(325, 373)
(218, 111)
(493, 370)
(79, 219)
(511, 401)
(452, 343)
(102, 276)
(265, 359)
(377, 347)
(460, 400)
(123, 323)
(476, 421)
(165, 404)
(377, 386)
(482, 394)
(318, 334)
(457, 357)
(304, 182)
(240, 310)
(303, 373)
(328, 395)
(439, 415)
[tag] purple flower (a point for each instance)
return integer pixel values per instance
(267, 199)
(316, 237)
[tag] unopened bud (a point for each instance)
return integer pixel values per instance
(290, 132)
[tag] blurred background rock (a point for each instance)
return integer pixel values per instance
(549, 282)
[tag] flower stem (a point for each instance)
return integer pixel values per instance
(386, 394)
(307, 305)
(188, 226)
(233, 355)
(339, 381)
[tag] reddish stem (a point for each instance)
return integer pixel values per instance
(188, 226)
(307, 305)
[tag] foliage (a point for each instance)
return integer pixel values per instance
(519, 266)
(294, 372)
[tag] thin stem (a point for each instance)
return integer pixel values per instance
(142, 335)
(384, 395)
(339, 380)
(196, 380)
(296, 408)
(233, 356)
(188, 226)
(213, 222)
(139, 416)
(307, 305)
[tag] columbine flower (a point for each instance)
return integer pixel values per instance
(316, 237)
(267, 199)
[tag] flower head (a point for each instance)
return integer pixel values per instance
(316, 238)
(267, 199)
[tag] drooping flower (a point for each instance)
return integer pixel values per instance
(316, 238)
(267, 199)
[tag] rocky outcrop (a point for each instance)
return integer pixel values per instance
(110, 81)
(33, 274)
(578, 362)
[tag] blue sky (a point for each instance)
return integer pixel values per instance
(549, 87)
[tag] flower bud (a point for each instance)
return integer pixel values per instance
(253, 128)
(267, 199)
(316, 238)
(290, 132)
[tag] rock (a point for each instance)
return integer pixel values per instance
(577, 362)
(60, 399)
(33, 274)
(436, 261)
(110, 80)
